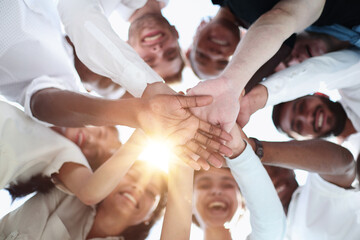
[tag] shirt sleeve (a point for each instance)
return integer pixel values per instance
(101, 49)
(334, 70)
(267, 216)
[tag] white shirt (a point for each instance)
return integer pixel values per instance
(100, 48)
(28, 148)
(320, 210)
(33, 53)
(267, 216)
(337, 70)
(54, 215)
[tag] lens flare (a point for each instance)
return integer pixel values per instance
(157, 153)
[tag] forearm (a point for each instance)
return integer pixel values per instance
(333, 71)
(177, 219)
(93, 188)
(70, 109)
(101, 49)
(266, 35)
(331, 161)
(267, 215)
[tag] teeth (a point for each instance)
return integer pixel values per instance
(218, 41)
(217, 205)
(281, 188)
(130, 197)
(321, 120)
(152, 38)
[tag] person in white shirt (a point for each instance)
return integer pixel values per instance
(37, 73)
(127, 212)
(218, 202)
(312, 116)
(327, 206)
(101, 49)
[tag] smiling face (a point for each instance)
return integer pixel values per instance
(97, 143)
(215, 41)
(308, 117)
(156, 41)
(216, 197)
(137, 195)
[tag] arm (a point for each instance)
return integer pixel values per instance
(266, 212)
(91, 188)
(177, 219)
(334, 70)
(255, 49)
(332, 162)
(101, 49)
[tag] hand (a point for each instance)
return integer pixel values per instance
(245, 111)
(225, 107)
(237, 144)
(168, 116)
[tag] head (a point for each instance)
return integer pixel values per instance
(156, 41)
(284, 182)
(214, 42)
(310, 44)
(138, 201)
(217, 197)
(309, 117)
(97, 143)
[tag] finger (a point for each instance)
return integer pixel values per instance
(203, 163)
(214, 159)
(194, 101)
(182, 153)
(215, 131)
(208, 142)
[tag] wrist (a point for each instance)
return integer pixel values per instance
(258, 96)
(257, 147)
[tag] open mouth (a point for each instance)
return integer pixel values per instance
(319, 119)
(218, 41)
(153, 37)
(308, 50)
(217, 206)
(130, 198)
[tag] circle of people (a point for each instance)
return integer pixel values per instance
(58, 137)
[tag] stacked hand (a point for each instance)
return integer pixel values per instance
(169, 116)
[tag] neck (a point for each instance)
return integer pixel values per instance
(151, 7)
(215, 233)
(106, 224)
(348, 130)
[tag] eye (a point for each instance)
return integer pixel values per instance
(228, 186)
(298, 126)
(152, 194)
(201, 55)
(301, 107)
(149, 60)
(203, 186)
(171, 54)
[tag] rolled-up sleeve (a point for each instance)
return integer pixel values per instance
(267, 216)
(101, 49)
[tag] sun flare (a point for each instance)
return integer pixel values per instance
(158, 153)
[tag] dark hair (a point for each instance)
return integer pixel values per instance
(276, 115)
(37, 183)
(142, 230)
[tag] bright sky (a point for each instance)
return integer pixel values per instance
(186, 15)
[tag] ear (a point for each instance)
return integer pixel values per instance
(187, 53)
(174, 31)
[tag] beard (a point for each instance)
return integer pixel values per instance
(339, 115)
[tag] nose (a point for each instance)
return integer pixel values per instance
(306, 119)
(156, 47)
(138, 189)
(215, 51)
(216, 191)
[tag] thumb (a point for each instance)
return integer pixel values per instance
(194, 101)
